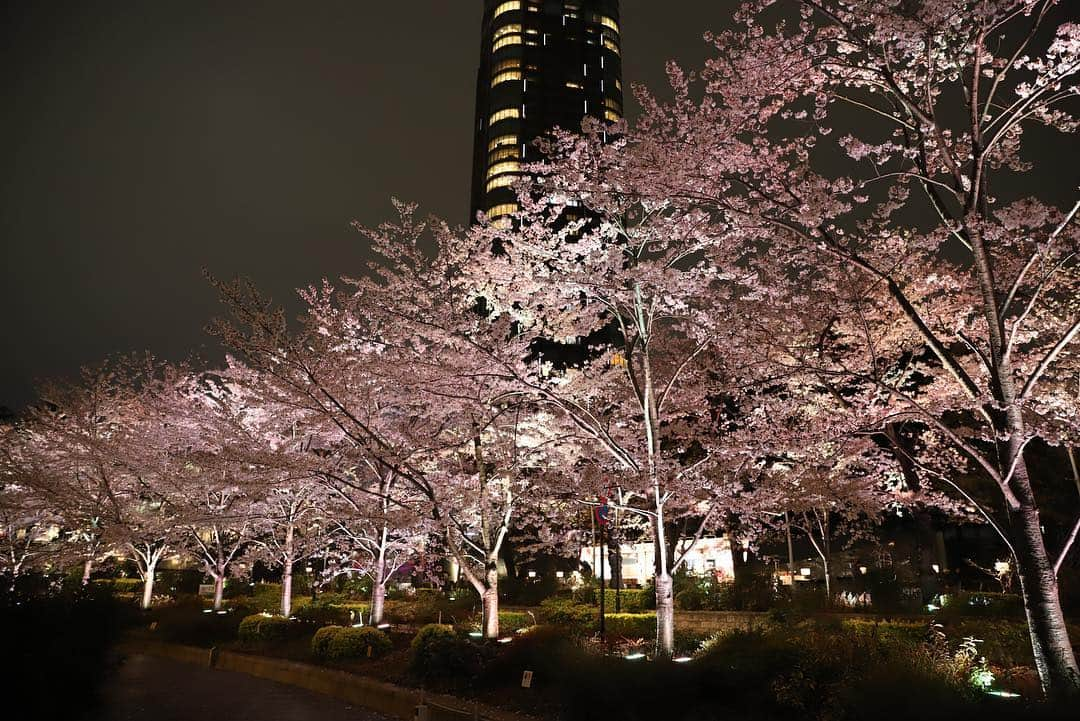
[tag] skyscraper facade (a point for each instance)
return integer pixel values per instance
(543, 64)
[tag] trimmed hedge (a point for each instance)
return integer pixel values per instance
(260, 628)
(515, 620)
(567, 616)
(439, 654)
(631, 600)
(349, 642)
(630, 625)
(320, 642)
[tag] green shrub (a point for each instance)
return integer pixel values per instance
(631, 625)
(979, 603)
(121, 585)
(261, 628)
(514, 620)
(568, 616)
(439, 654)
(349, 642)
(631, 600)
(322, 614)
(320, 642)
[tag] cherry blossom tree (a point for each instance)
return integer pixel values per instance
(621, 299)
(869, 156)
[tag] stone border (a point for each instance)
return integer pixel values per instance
(378, 696)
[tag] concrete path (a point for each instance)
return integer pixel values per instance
(145, 688)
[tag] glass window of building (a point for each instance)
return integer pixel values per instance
(506, 76)
(503, 181)
(509, 166)
(497, 211)
(506, 114)
(506, 7)
(502, 140)
(506, 41)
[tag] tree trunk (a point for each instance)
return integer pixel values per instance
(219, 588)
(378, 601)
(378, 576)
(665, 616)
(1053, 652)
(491, 600)
(148, 584)
(286, 575)
(88, 565)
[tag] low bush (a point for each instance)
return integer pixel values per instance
(262, 628)
(515, 620)
(439, 655)
(363, 642)
(631, 625)
(120, 585)
(631, 600)
(323, 614)
(569, 617)
(320, 641)
(982, 604)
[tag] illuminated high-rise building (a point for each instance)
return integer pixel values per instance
(543, 64)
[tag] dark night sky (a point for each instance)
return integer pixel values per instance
(145, 141)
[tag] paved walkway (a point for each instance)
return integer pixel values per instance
(145, 688)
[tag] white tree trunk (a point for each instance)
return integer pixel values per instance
(88, 565)
(378, 602)
(491, 611)
(665, 616)
(286, 575)
(148, 584)
(219, 589)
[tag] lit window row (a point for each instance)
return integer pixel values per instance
(506, 42)
(512, 29)
(504, 115)
(503, 181)
(507, 7)
(509, 166)
(612, 116)
(613, 104)
(606, 22)
(506, 77)
(611, 45)
(508, 64)
(502, 209)
(503, 140)
(504, 152)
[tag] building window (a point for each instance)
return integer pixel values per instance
(508, 166)
(572, 84)
(498, 211)
(508, 113)
(611, 45)
(506, 42)
(506, 76)
(613, 104)
(509, 64)
(511, 29)
(503, 181)
(506, 7)
(502, 140)
(612, 116)
(606, 22)
(505, 152)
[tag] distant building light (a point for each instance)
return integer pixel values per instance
(804, 572)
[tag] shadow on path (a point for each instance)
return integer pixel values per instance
(145, 688)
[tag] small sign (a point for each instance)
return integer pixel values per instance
(526, 679)
(206, 589)
(603, 511)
